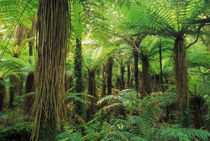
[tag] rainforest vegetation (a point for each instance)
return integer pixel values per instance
(104, 70)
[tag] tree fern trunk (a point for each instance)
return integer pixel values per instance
(92, 91)
(161, 69)
(49, 106)
(181, 77)
(136, 70)
(104, 81)
(122, 81)
(28, 102)
(109, 75)
(79, 107)
(2, 93)
(128, 83)
(145, 83)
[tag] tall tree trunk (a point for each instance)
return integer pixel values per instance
(92, 91)
(145, 83)
(181, 77)
(28, 102)
(122, 81)
(136, 69)
(128, 83)
(109, 75)
(161, 68)
(49, 106)
(79, 107)
(2, 93)
(104, 81)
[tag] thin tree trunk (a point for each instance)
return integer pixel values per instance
(145, 83)
(122, 81)
(49, 106)
(28, 102)
(181, 77)
(109, 75)
(2, 93)
(128, 75)
(136, 70)
(79, 107)
(92, 91)
(104, 81)
(161, 69)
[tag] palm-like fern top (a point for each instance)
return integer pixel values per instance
(167, 18)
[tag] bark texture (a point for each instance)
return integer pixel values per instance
(181, 74)
(145, 80)
(109, 75)
(28, 102)
(128, 83)
(181, 78)
(92, 91)
(2, 93)
(49, 107)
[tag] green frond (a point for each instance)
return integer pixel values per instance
(107, 98)
(107, 109)
(183, 134)
(21, 11)
(78, 97)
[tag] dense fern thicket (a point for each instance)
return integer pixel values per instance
(104, 70)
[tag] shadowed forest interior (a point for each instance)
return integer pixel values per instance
(104, 70)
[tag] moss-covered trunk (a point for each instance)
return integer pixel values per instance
(2, 93)
(128, 82)
(109, 75)
(104, 81)
(145, 80)
(49, 107)
(181, 77)
(122, 81)
(28, 102)
(136, 69)
(79, 107)
(161, 68)
(92, 91)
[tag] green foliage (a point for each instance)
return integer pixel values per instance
(183, 134)
(20, 131)
(166, 18)
(17, 11)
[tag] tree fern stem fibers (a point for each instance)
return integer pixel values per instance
(109, 75)
(92, 91)
(161, 68)
(48, 109)
(104, 81)
(28, 101)
(136, 69)
(79, 107)
(181, 77)
(2, 93)
(128, 83)
(122, 81)
(145, 79)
